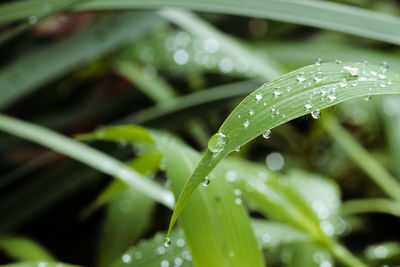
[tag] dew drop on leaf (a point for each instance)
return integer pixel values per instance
(258, 97)
(316, 114)
(167, 242)
(308, 105)
(251, 112)
(217, 142)
(126, 258)
(277, 91)
(319, 61)
(246, 124)
(384, 67)
(368, 97)
(206, 181)
(301, 77)
(353, 71)
(267, 134)
(237, 149)
(337, 61)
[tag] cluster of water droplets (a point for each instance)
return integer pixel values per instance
(187, 49)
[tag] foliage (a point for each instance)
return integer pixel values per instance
(130, 91)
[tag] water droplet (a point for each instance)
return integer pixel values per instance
(275, 161)
(238, 201)
(246, 124)
(32, 20)
(318, 62)
(316, 114)
(277, 91)
(337, 61)
(181, 57)
(206, 181)
(164, 263)
(382, 84)
(237, 191)
(217, 142)
(318, 77)
(353, 71)
(178, 261)
(226, 65)
(343, 83)
(368, 97)
(138, 255)
(180, 242)
(267, 134)
(251, 112)
(332, 95)
(211, 45)
(308, 105)
(384, 67)
(231, 176)
(167, 242)
(301, 77)
(259, 97)
(237, 149)
(126, 258)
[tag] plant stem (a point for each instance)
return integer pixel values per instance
(345, 256)
(373, 168)
(371, 205)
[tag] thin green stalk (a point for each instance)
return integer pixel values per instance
(359, 206)
(345, 256)
(87, 155)
(356, 152)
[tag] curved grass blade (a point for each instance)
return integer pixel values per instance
(300, 92)
(357, 153)
(24, 249)
(223, 235)
(29, 72)
(39, 264)
(372, 205)
(261, 67)
(86, 155)
(321, 14)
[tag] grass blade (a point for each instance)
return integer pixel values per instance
(223, 235)
(321, 14)
(24, 249)
(230, 46)
(86, 155)
(371, 205)
(375, 171)
(295, 94)
(29, 72)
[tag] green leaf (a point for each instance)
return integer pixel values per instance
(86, 155)
(373, 168)
(24, 249)
(39, 264)
(272, 234)
(125, 133)
(261, 67)
(295, 94)
(128, 213)
(151, 253)
(148, 82)
(29, 72)
(128, 216)
(321, 14)
(216, 224)
(371, 205)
